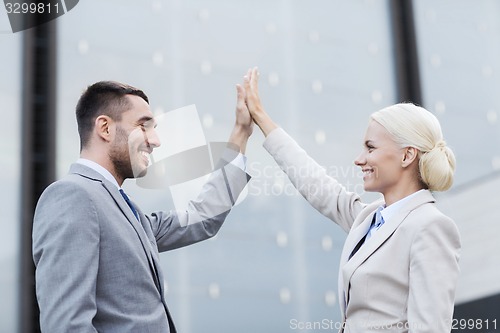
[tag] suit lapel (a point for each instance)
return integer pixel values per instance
(358, 231)
(370, 246)
(348, 267)
(146, 228)
(139, 229)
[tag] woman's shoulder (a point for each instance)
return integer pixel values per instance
(428, 219)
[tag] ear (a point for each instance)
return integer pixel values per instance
(104, 128)
(410, 155)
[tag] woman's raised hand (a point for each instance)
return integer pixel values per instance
(257, 111)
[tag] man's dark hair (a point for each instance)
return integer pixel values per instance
(103, 98)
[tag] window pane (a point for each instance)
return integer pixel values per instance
(324, 69)
(10, 156)
(459, 48)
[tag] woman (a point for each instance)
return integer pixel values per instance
(399, 265)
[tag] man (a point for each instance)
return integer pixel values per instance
(96, 253)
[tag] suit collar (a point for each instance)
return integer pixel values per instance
(112, 188)
(363, 221)
(98, 168)
(348, 267)
(391, 210)
(87, 172)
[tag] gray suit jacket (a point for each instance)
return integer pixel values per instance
(403, 278)
(97, 266)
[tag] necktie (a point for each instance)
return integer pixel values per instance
(377, 222)
(129, 203)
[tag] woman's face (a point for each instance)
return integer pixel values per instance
(380, 160)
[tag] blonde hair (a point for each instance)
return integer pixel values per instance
(414, 126)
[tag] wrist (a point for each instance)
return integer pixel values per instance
(239, 136)
(242, 129)
(265, 123)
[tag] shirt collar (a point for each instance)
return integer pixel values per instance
(100, 169)
(388, 212)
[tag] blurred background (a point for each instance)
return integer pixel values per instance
(325, 66)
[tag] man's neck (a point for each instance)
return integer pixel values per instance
(103, 162)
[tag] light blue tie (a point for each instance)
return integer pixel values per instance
(375, 225)
(379, 220)
(129, 203)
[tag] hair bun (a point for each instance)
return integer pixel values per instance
(440, 144)
(437, 167)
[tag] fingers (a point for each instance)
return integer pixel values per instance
(240, 95)
(251, 79)
(243, 123)
(240, 92)
(253, 103)
(246, 81)
(250, 87)
(254, 79)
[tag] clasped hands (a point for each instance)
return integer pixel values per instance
(249, 110)
(249, 107)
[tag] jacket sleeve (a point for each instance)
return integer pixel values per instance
(65, 252)
(433, 273)
(322, 191)
(204, 215)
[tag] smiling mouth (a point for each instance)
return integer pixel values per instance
(145, 155)
(367, 172)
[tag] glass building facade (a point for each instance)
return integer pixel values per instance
(325, 67)
(10, 177)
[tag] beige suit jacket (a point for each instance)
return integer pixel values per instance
(403, 278)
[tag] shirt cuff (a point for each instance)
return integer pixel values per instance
(240, 161)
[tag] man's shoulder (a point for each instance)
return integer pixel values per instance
(72, 185)
(74, 180)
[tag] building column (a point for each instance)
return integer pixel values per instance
(405, 49)
(38, 152)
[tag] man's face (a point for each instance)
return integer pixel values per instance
(134, 141)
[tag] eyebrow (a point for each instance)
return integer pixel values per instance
(368, 142)
(145, 119)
